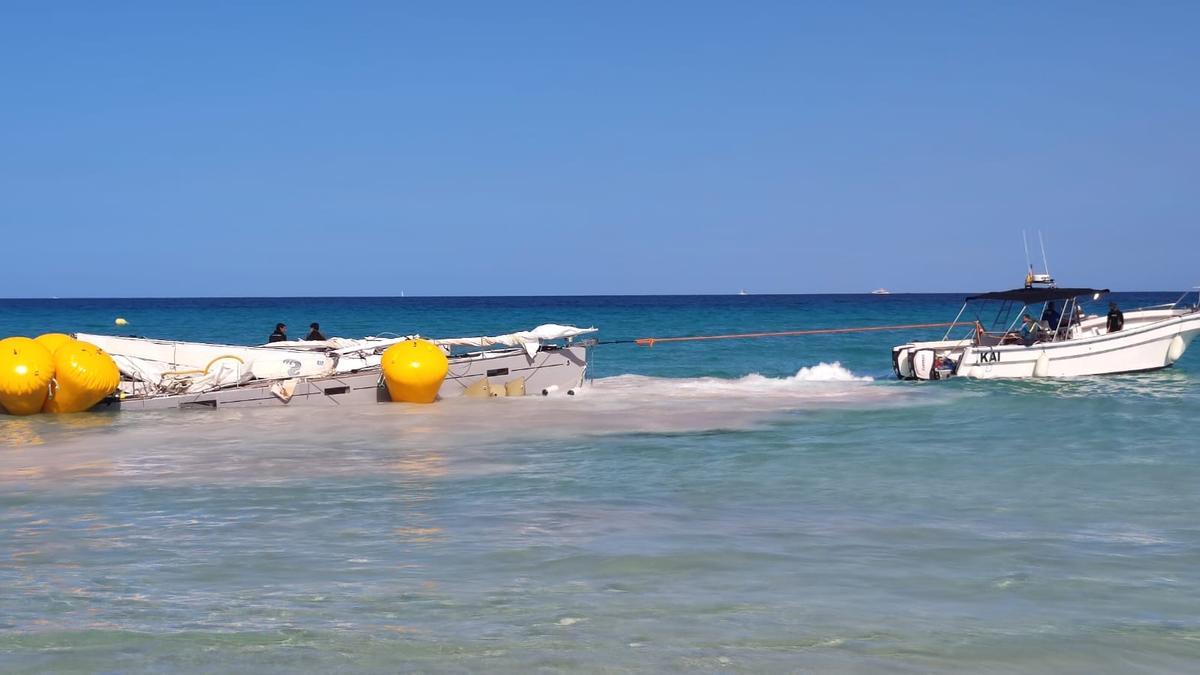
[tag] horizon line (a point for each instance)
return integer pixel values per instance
(518, 295)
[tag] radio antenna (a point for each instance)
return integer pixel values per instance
(1025, 241)
(1045, 264)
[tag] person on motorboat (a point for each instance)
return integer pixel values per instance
(314, 332)
(1116, 319)
(280, 333)
(1030, 330)
(1051, 317)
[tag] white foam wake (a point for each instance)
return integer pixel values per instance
(823, 380)
(828, 372)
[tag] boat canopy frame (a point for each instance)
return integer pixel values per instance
(1024, 298)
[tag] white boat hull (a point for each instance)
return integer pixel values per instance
(1151, 340)
(553, 369)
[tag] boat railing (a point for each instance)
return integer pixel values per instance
(1177, 303)
(986, 339)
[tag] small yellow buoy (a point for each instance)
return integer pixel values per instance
(83, 376)
(52, 341)
(121, 321)
(414, 370)
(26, 369)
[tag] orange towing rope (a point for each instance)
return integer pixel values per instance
(649, 342)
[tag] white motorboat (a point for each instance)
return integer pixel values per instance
(881, 291)
(1076, 344)
(171, 374)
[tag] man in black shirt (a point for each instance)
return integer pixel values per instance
(280, 333)
(1051, 316)
(315, 332)
(1116, 320)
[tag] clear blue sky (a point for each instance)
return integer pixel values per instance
(361, 148)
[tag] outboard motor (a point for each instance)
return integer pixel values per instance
(922, 364)
(901, 363)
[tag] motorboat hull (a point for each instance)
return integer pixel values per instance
(1149, 342)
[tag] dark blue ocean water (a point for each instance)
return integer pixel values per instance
(777, 504)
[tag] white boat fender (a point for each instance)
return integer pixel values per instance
(1175, 349)
(550, 390)
(1042, 366)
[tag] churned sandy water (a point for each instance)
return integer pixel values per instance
(819, 518)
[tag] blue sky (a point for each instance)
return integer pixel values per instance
(290, 148)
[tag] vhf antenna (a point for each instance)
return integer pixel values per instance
(1026, 242)
(1045, 264)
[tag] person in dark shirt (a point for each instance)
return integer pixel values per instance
(314, 332)
(1051, 316)
(280, 333)
(1116, 320)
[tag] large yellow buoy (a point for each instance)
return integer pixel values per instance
(83, 376)
(414, 370)
(26, 369)
(52, 341)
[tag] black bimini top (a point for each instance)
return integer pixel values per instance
(1033, 296)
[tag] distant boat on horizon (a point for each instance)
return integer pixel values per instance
(743, 292)
(881, 291)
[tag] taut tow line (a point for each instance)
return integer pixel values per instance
(650, 341)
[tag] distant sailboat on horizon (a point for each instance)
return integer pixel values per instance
(743, 292)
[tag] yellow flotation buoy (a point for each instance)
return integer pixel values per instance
(121, 321)
(52, 341)
(83, 375)
(26, 369)
(414, 370)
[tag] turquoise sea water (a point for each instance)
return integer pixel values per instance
(747, 506)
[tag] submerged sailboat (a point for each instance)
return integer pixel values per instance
(158, 374)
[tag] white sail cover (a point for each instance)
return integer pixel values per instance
(197, 366)
(528, 340)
